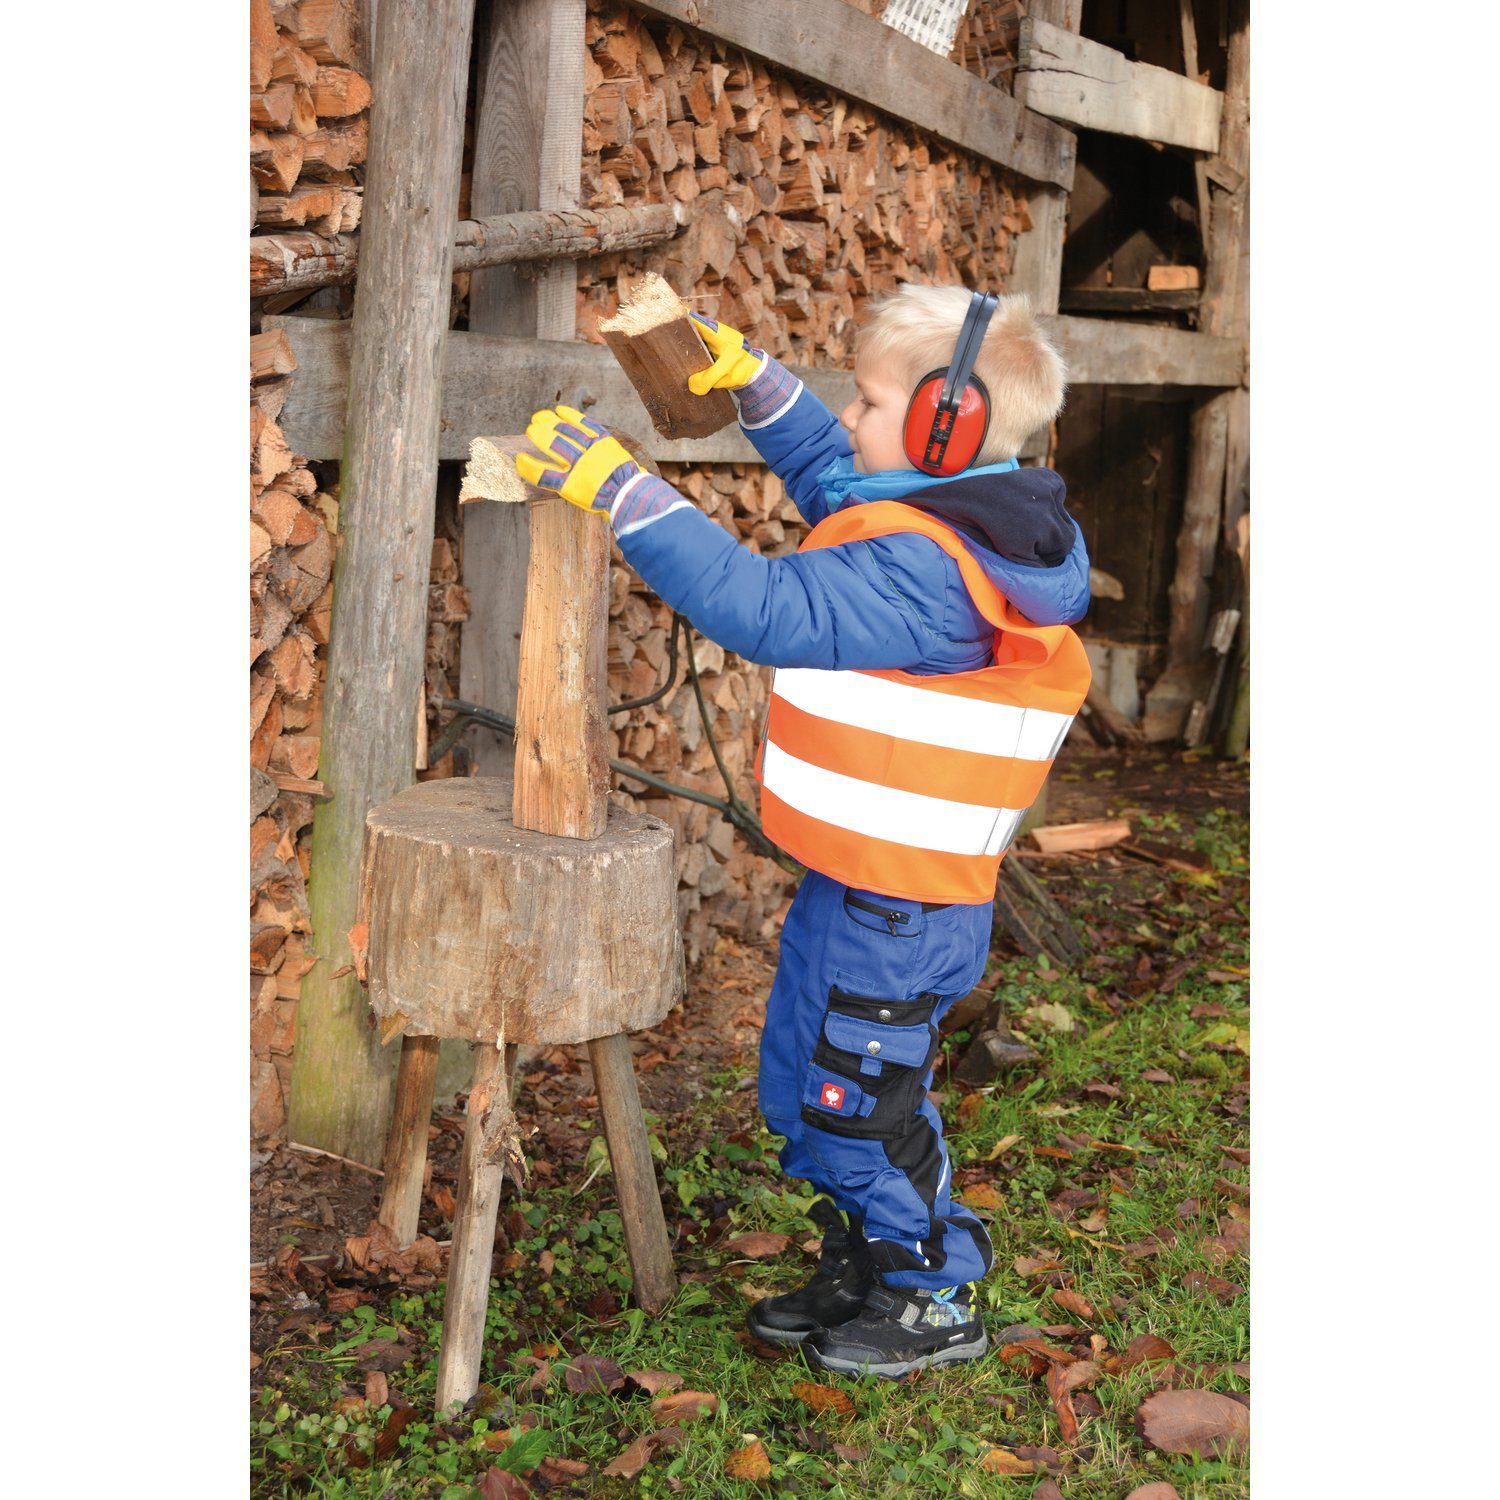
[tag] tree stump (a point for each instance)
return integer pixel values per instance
(500, 935)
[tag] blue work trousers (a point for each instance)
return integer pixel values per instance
(846, 1061)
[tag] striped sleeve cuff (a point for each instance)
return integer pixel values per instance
(769, 395)
(641, 500)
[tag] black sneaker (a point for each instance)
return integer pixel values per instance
(900, 1330)
(835, 1293)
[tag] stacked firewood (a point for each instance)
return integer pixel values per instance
(309, 115)
(805, 203)
(292, 530)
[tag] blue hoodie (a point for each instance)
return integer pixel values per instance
(893, 601)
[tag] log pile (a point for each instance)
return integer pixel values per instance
(805, 203)
(309, 115)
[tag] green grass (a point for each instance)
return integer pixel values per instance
(1145, 1154)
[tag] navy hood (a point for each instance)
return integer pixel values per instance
(1018, 513)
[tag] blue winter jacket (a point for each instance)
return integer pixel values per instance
(893, 601)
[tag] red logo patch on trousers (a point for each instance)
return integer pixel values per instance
(833, 1096)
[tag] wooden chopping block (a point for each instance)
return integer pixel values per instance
(481, 929)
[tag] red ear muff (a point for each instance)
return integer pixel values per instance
(939, 441)
(949, 412)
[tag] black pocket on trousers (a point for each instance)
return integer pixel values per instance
(886, 1047)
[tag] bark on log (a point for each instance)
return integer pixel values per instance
(303, 262)
(340, 1078)
(479, 928)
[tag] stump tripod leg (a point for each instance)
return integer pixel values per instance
(406, 1145)
(468, 1290)
(635, 1178)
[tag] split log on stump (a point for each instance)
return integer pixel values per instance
(481, 929)
(491, 471)
(658, 349)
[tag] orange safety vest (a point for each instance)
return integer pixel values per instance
(914, 785)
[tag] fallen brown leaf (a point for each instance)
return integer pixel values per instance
(1077, 1304)
(1143, 1349)
(685, 1406)
(1202, 1423)
(1206, 1281)
(1062, 1404)
(1158, 1489)
(654, 1382)
(629, 1461)
(748, 1462)
(560, 1470)
(501, 1484)
(1158, 1075)
(823, 1398)
(1027, 1265)
(1078, 1375)
(390, 1435)
(851, 1455)
(1044, 1458)
(1047, 1490)
(377, 1389)
(588, 1372)
(756, 1245)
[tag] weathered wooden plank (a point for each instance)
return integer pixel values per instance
(1073, 79)
(1101, 352)
(1127, 299)
(340, 1079)
(856, 55)
(302, 261)
(493, 384)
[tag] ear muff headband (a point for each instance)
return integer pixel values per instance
(949, 412)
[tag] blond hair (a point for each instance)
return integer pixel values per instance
(914, 329)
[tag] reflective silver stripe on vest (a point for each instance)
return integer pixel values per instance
(885, 812)
(922, 715)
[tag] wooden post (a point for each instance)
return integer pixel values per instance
(468, 1287)
(654, 1281)
(406, 1144)
(1036, 265)
(341, 1081)
(1218, 313)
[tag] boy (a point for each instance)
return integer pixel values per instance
(913, 717)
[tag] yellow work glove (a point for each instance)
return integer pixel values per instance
(735, 363)
(585, 465)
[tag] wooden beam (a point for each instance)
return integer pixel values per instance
(341, 1081)
(301, 261)
(493, 384)
(1127, 299)
(1073, 79)
(856, 55)
(1101, 352)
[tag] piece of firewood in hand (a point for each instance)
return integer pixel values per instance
(658, 349)
(491, 471)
